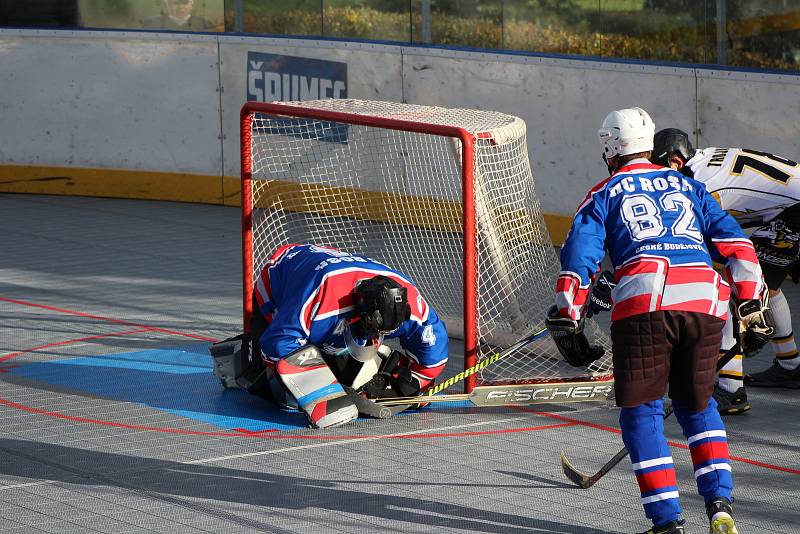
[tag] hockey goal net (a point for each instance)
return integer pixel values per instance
(445, 196)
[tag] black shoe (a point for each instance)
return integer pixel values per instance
(774, 377)
(720, 517)
(675, 527)
(731, 403)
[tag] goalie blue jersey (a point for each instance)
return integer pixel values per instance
(658, 226)
(305, 293)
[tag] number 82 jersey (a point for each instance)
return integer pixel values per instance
(656, 225)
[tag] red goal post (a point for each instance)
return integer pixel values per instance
(443, 195)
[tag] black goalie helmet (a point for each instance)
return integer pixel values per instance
(381, 303)
(671, 141)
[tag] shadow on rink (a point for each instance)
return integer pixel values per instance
(158, 478)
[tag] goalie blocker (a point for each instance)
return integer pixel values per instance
(571, 341)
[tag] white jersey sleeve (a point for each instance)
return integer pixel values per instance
(753, 186)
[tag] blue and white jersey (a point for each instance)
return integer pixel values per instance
(305, 293)
(657, 226)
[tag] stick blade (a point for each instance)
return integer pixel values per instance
(573, 474)
(367, 407)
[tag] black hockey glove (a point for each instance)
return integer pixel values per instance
(600, 299)
(756, 325)
(571, 341)
(392, 380)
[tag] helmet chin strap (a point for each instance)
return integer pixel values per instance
(611, 170)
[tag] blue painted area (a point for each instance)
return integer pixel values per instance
(176, 380)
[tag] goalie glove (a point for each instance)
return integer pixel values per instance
(392, 380)
(600, 299)
(571, 341)
(756, 325)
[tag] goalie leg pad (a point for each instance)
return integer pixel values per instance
(351, 372)
(309, 379)
(366, 372)
(235, 365)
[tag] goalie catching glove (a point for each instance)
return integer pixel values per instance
(756, 325)
(392, 380)
(571, 341)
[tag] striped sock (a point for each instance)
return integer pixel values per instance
(731, 375)
(783, 343)
(708, 445)
(643, 435)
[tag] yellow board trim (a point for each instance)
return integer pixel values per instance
(208, 189)
(117, 183)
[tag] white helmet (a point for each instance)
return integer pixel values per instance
(626, 131)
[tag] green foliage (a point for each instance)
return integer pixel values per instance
(647, 35)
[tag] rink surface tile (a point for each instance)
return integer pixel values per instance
(113, 422)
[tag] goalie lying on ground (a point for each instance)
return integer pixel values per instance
(319, 321)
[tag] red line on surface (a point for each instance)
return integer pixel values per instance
(10, 355)
(265, 434)
(109, 319)
(747, 460)
(486, 432)
(672, 443)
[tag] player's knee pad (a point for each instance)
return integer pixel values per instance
(307, 377)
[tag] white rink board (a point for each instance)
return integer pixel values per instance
(110, 100)
(563, 103)
(146, 101)
(374, 73)
(750, 110)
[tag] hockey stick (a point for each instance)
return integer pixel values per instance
(463, 374)
(370, 408)
(586, 481)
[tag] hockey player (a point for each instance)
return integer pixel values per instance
(668, 312)
(320, 318)
(762, 192)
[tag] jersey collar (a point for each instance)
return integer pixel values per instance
(637, 164)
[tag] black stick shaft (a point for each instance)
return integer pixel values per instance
(574, 475)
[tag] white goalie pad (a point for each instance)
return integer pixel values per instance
(368, 369)
(309, 379)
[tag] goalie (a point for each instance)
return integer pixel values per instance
(320, 317)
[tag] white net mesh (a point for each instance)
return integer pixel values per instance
(395, 196)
